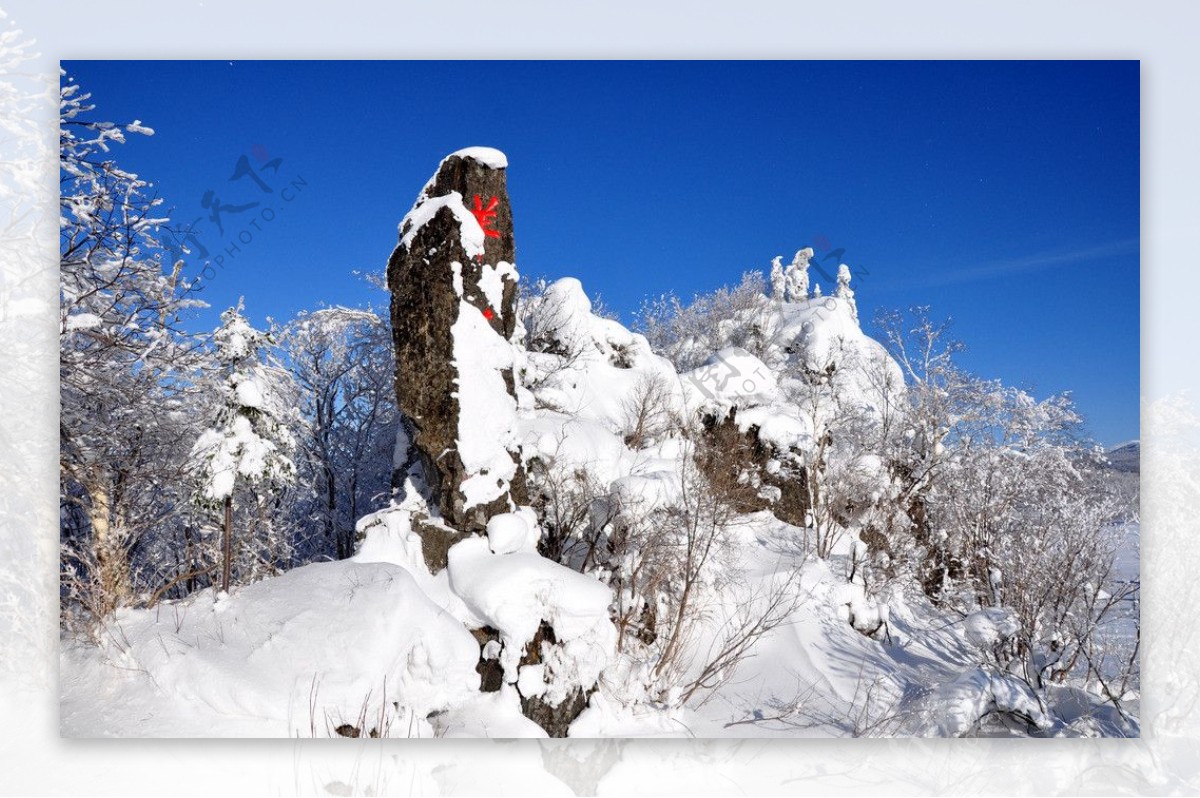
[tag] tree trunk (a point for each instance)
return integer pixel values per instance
(112, 561)
(227, 545)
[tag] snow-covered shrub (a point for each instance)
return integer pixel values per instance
(689, 334)
(1011, 510)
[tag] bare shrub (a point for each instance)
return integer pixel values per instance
(647, 411)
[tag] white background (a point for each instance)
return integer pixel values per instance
(32, 758)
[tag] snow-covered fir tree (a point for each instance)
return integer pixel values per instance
(779, 282)
(844, 291)
(797, 276)
(249, 441)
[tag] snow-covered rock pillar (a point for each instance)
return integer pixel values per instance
(453, 288)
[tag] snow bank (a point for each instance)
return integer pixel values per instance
(515, 592)
(731, 377)
(572, 443)
(495, 714)
(639, 494)
(321, 642)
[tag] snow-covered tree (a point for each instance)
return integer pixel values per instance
(797, 276)
(779, 282)
(342, 361)
(250, 440)
(844, 291)
(125, 366)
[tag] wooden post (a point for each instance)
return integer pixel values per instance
(227, 544)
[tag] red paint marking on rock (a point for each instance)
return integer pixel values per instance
(488, 314)
(486, 216)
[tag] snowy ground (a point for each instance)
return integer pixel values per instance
(334, 643)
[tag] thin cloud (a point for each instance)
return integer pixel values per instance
(1032, 263)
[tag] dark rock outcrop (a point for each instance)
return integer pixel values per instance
(453, 288)
(454, 258)
(726, 453)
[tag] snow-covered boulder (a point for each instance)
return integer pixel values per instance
(552, 624)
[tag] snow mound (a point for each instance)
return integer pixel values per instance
(515, 592)
(731, 377)
(956, 709)
(590, 367)
(509, 533)
(989, 627)
(325, 641)
(495, 714)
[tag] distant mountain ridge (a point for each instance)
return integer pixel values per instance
(1126, 457)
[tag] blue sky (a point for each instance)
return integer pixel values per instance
(1002, 194)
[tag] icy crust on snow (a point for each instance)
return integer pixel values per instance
(514, 592)
(328, 639)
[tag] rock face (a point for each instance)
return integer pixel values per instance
(727, 454)
(453, 288)
(543, 628)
